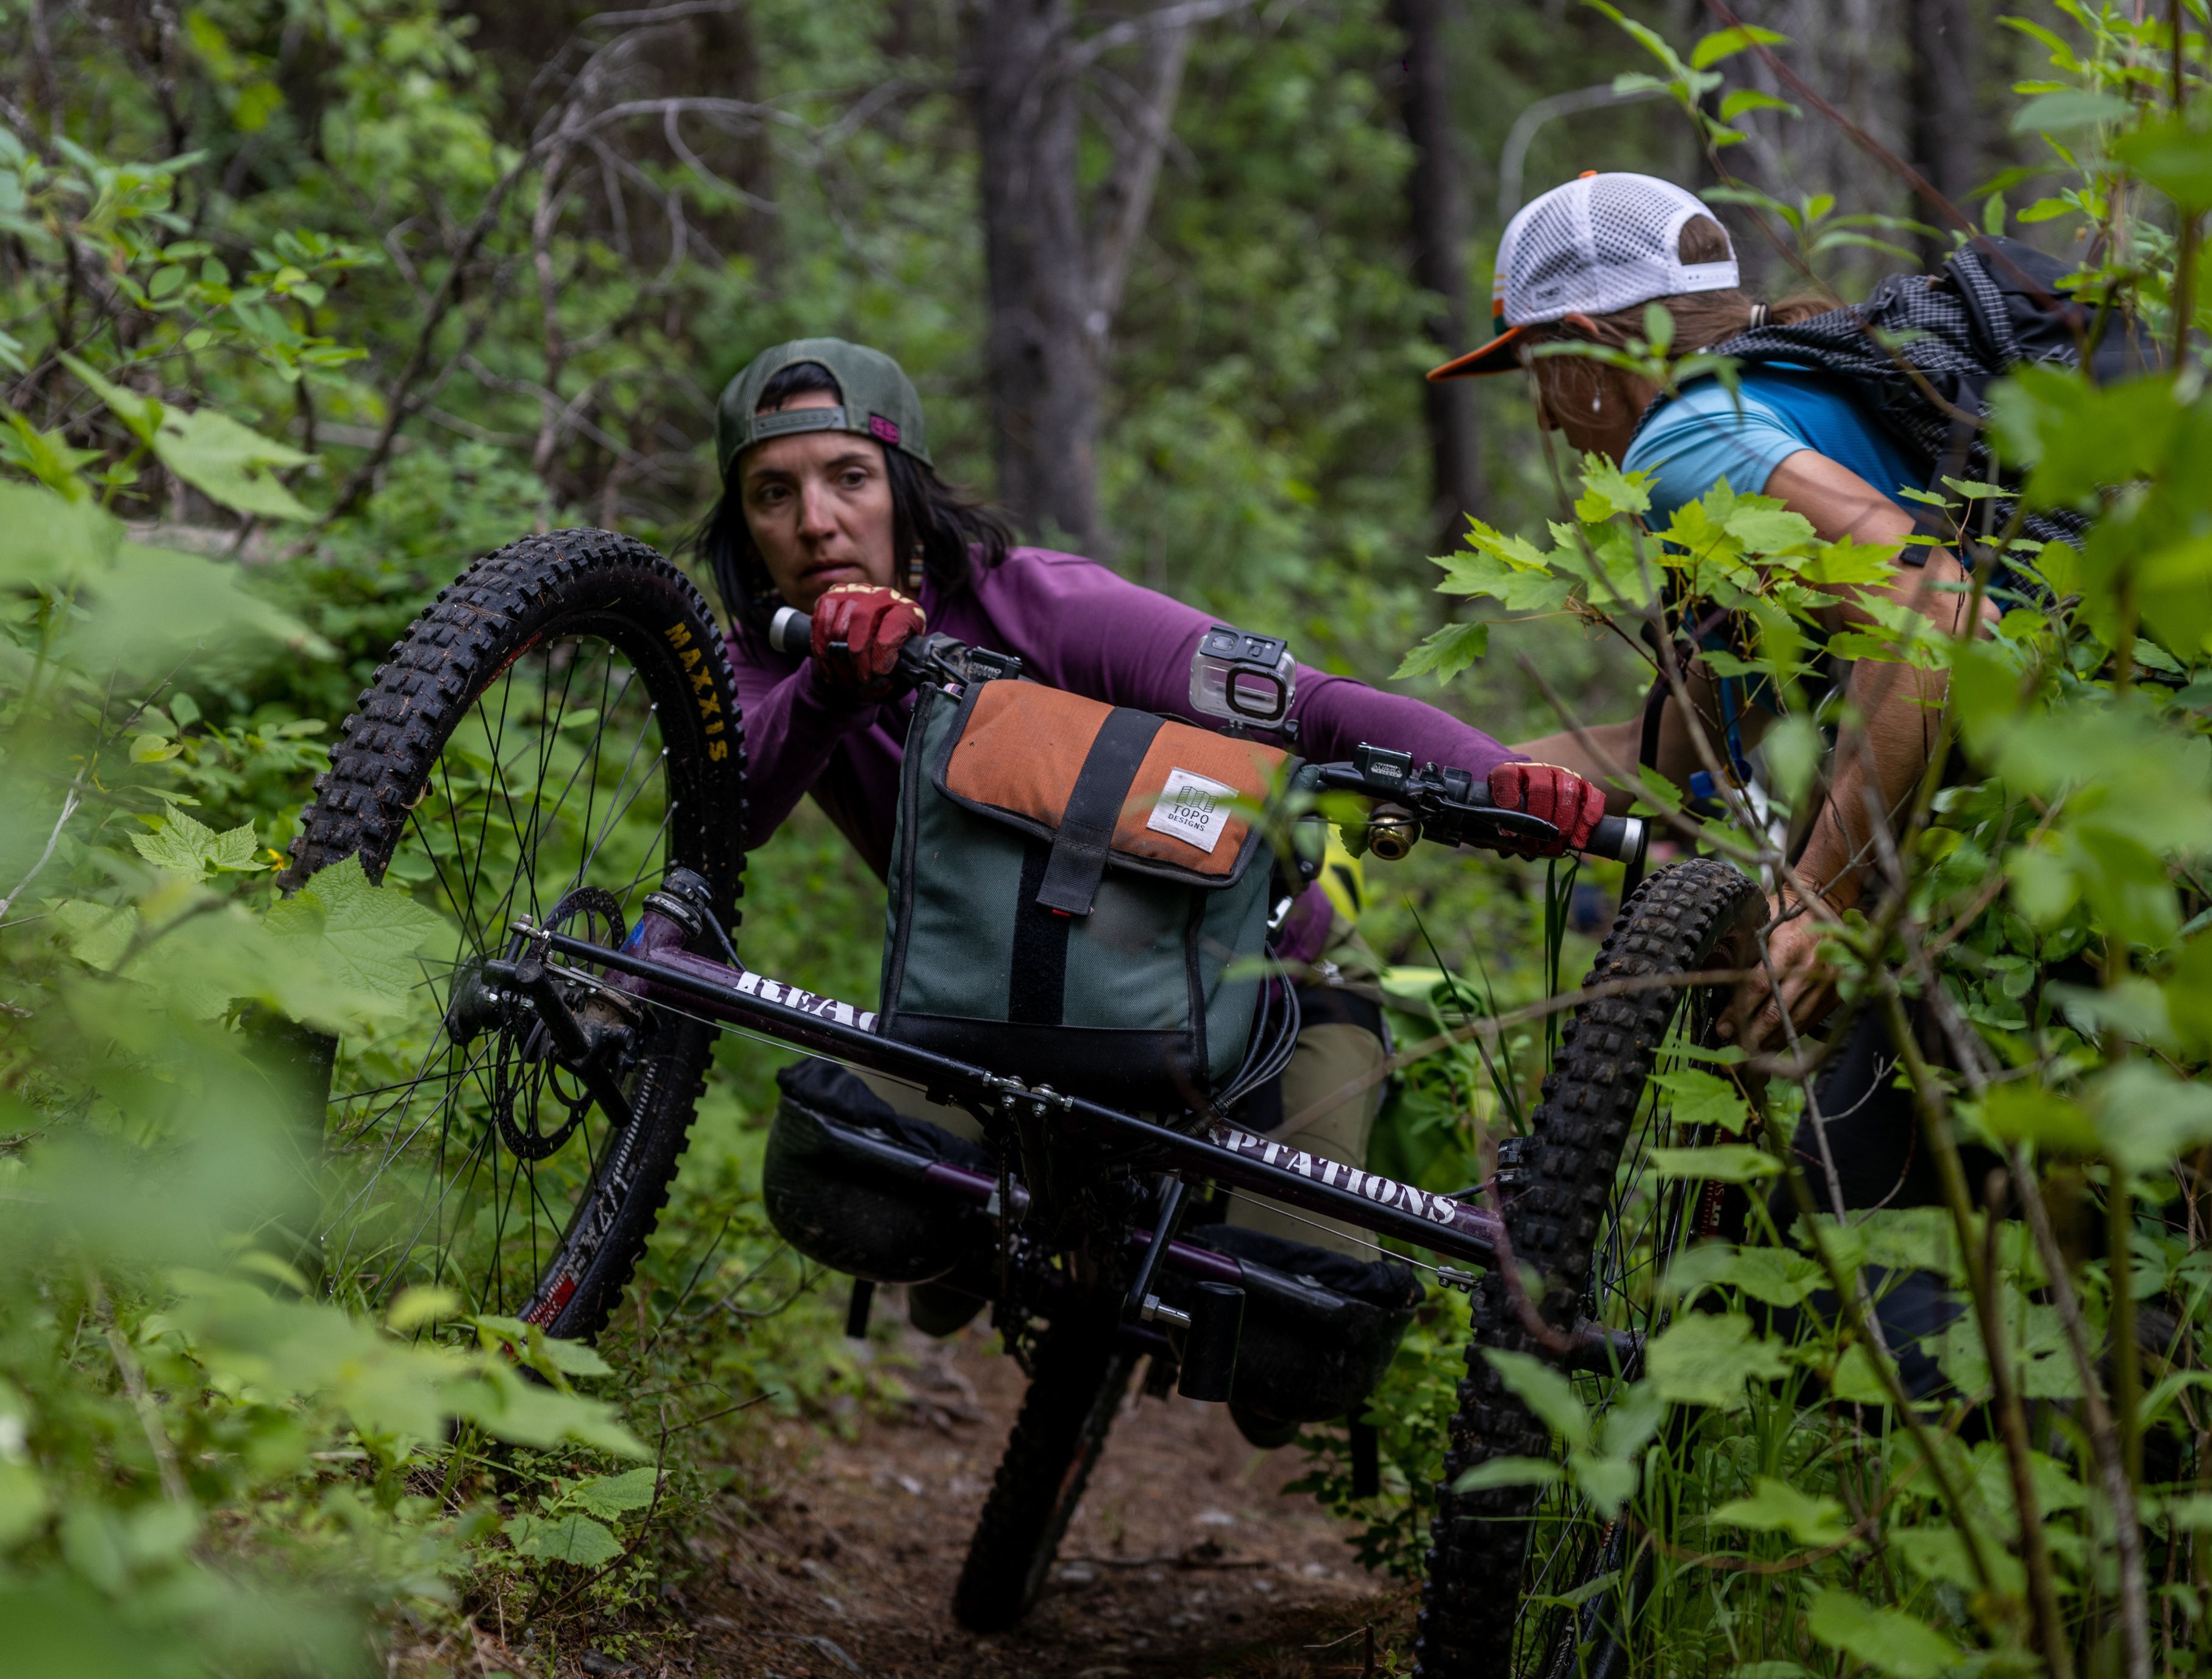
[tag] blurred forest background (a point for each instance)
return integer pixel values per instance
(1170, 300)
(327, 298)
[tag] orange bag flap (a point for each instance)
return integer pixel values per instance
(1022, 745)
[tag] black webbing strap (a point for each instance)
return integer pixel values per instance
(1087, 830)
(1036, 977)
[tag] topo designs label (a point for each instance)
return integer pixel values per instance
(1192, 808)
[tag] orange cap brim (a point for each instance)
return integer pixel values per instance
(1498, 355)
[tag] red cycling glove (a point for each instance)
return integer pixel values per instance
(858, 630)
(1561, 797)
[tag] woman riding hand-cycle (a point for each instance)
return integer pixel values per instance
(831, 506)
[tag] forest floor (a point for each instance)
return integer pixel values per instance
(1186, 1557)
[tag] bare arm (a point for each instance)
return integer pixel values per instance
(1898, 703)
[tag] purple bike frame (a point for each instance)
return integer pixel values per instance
(653, 964)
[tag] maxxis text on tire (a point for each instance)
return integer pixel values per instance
(533, 599)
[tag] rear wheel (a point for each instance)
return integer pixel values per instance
(1078, 1378)
(1510, 1576)
(553, 735)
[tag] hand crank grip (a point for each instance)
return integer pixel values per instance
(1619, 837)
(791, 630)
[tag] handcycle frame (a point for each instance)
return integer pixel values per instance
(657, 968)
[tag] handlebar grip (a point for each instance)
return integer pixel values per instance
(1619, 837)
(791, 630)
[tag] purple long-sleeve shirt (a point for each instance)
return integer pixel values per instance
(1073, 625)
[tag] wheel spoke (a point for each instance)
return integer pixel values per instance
(411, 1106)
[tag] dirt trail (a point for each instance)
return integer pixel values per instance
(1186, 1556)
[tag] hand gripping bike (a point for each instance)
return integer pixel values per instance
(551, 761)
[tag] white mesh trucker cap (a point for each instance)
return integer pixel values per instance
(1599, 244)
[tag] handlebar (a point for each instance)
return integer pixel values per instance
(791, 630)
(1445, 805)
(1451, 806)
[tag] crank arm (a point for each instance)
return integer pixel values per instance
(530, 978)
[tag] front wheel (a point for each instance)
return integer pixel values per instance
(551, 737)
(1077, 1378)
(1600, 1229)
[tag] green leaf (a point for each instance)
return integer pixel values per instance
(1545, 1391)
(2146, 1118)
(1608, 490)
(1771, 529)
(419, 1305)
(1735, 104)
(1702, 1098)
(97, 935)
(613, 1495)
(1728, 1163)
(1607, 1482)
(23, 1504)
(1776, 1276)
(1510, 1472)
(576, 1358)
(229, 463)
(2031, 1114)
(1726, 42)
(577, 1540)
(1793, 748)
(1854, 1381)
(1895, 1644)
(236, 848)
(2172, 156)
(2069, 111)
(2193, 1514)
(1776, 1507)
(367, 936)
(1447, 652)
(1706, 1359)
(1517, 586)
(142, 415)
(183, 845)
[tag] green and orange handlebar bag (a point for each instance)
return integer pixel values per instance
(1078, 893)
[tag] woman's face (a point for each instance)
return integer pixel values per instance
(819, 507)
(1592, 405)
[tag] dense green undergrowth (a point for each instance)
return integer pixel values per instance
(208, 1464)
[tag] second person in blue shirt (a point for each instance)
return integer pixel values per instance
(1580, 265)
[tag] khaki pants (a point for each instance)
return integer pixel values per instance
(1327, 1057)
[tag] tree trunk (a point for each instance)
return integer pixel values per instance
(1943, 122)
(1054, 269)
(1437, 200)
(1044, 371)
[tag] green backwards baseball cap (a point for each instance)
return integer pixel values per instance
(879, 400)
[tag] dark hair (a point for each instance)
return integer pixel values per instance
(953, 535)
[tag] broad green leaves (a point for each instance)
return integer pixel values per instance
(1886, 1641)
(1747, 553)
(1705, 1359)
(572, 1527)
(1601, 1453)
(1776, 1507)
(577, 1540)
(364, 937)
(191, 850)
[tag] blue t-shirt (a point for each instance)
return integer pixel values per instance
(1693, 442)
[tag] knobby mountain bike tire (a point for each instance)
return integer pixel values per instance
(558, 731)
(1567, 1222)
(1078, 1378)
